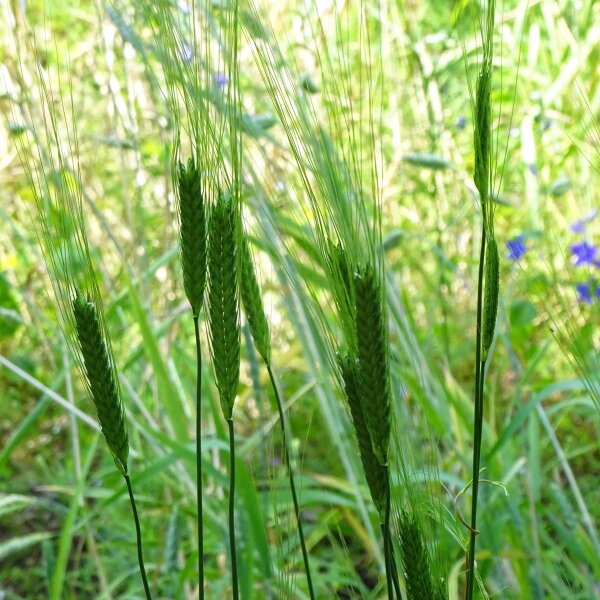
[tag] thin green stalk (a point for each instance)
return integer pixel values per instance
(199, 458)
(477, 426)
(234, 575)
(138, 533)
(292, 483)
(387, 541)
(395, 578)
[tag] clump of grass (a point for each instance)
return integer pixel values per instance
(259, 328)
(344, 209)
(192, 230)
(225, 331)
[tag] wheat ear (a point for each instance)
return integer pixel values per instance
(101, 379)
(375, 473)
(373, 374)
(491, 295)
(482, 134)
(192, 233)
(253, 304)
(417, 569)
(223, 302)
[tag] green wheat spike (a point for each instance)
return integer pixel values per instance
(373, 380)
(223, 301)
(375, 473)
(101, 379)
(419, 584)
(492, 292)
(253, 304)
(192, 218)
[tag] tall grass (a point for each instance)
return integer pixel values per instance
(355, 303)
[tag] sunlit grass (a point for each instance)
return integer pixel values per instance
(405, 149)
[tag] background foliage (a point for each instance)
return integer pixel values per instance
(64, 525)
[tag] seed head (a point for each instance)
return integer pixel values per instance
(253, 304)
(223, 301)
(192, 234)
(101, 379)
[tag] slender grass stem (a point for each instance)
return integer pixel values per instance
(234, 575)
(477, 426)
(138, 533)
(395, 578)
(292, 483)
(387, 541)
(199, 458)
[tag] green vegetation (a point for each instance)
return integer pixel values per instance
(381, 216)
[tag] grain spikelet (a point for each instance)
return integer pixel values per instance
(253, 304)
(223, 302)
(492, 292)
(375, 473)
(373, 380)
(192, 233)
(101, 379)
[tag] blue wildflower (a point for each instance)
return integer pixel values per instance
(584, 293)
(580, 225)
(461, 122)
(583, 253)
(533, 169)
(516, 248)
(220, 79)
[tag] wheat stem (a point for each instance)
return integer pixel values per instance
(138, 533)
(477, 425)
(395, 577)
(234, 575)
(199, 459)
(292, 483)
(387, 541)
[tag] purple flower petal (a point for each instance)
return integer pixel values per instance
(516, 248)
(583, 253)
(580, 225)
(220, 79)
(584, 293)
